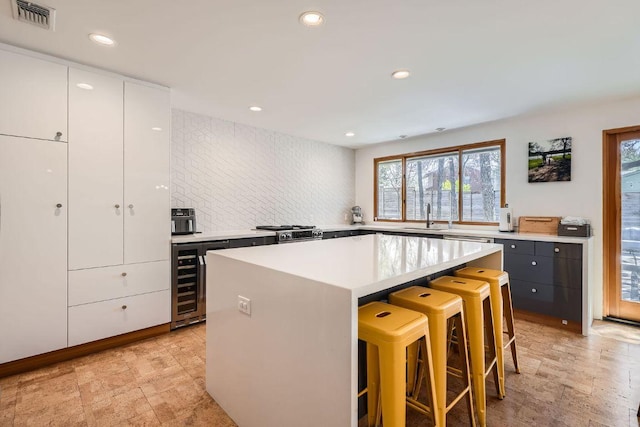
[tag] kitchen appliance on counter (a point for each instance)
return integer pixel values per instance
(506, 219)
(183, 220)
(356, 215)
(293, 233)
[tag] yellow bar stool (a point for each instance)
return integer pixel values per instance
(500, 298)
(388, 330)
(440, 308)
(477, 307)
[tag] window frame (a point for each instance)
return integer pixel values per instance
(459, 149)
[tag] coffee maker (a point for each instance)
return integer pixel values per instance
(356, 215)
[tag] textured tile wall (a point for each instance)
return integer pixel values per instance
(237, 176)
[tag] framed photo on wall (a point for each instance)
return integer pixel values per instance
(550, 160)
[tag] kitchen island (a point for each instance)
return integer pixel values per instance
(292, 360)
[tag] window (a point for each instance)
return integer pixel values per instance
(462, 184)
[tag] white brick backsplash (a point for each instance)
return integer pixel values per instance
(238, 176)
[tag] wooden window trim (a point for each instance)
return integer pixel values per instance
(501, 143)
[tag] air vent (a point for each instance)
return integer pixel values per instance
(42, 16)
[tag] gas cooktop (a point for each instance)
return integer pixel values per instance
(293, 233)
(284, 227)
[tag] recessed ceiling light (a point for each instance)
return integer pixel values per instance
(440, 129)
(85, 86)
(312, 19)
(255, 108)
(157, 129)
(349, 134)
(101, 39)
(400, 74)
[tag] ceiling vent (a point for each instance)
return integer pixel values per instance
(42, 16)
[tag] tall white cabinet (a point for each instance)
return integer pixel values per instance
(33, 247)
(96, 168)
(92, 263)
(119, 204)
(147, 151)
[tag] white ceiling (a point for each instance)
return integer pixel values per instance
(471, 61)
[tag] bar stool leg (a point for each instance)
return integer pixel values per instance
(462, 348)
(476, 351)
(373, 384)
(497, 316)
(392, 375)
(493, 349)
(438, 328)
(412, 358)
(506, 298)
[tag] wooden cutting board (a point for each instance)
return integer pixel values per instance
(538, 224)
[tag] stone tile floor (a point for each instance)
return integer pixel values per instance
(566, 380)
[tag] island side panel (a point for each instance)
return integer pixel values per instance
(492, 261)
(291, 362)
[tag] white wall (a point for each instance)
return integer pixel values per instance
(237, 176)
(582, 196)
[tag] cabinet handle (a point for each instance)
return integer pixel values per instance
(124, 274)
(534, 290)
(131, 206)
(556, 250)
(117, 206)
(124, 307)
(58, 135)
(534, 263)
(513, 246)
(59, 205)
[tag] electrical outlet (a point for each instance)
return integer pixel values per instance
(346, 217)
(244, 305)
(564, 322)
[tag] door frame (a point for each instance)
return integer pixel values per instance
(611, 218)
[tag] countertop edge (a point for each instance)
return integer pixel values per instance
(454, 232)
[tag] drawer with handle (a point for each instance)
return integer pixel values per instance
(91, 322)
(517, 246)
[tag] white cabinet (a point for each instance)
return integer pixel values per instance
(33, 247)
(100, 284)
(119, 168)
(90, 322)
(119, 206)
(147, 221)
(96, 205)
(34, 97)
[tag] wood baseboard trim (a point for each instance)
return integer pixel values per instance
(41, 360)
(555, 322)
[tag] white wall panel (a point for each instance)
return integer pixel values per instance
(238, 176)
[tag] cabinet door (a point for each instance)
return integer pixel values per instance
(147, 219)
(95, 170)
(34, 97)
(33, 247)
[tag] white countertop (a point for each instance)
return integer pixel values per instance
(363, 264)
(407, 228)
(220, 235)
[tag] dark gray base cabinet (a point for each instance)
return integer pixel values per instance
(345, 233)
(546, 277)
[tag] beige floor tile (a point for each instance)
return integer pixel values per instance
(567, 380)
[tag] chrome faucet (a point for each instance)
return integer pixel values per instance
(428, 213)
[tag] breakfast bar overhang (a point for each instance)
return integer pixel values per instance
(292, 360)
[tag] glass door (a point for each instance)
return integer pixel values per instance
(622, 223)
